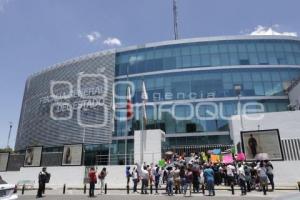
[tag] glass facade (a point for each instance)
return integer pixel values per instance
(209, 54)
(205, 72)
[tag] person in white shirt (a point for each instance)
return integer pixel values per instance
(230, 169)
(145, 179)
(135, 179)
(242, 178)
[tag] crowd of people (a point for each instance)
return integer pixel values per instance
(185, 176)
(196, 175)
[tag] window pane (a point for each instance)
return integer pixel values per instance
(213, 49)
(256, 76)
(253, 59)
(234, 59)
(258, 89)
(266, 76)
(215, 60)
(186, 61)
(205, 60)
(204, 49)
(232, 48)
(195, 60)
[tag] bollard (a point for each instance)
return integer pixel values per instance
(299, 186)
(232, 189)
(64, 189)
(127, 187)
(84, 189)
(23, 189)
(151, 189)
(105, 188)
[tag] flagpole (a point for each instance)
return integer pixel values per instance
(126, 124)
(144, 119)
(142, 127)
(141, 140)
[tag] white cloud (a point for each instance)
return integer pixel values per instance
(93, 36)
(264, 30)
(112, 41)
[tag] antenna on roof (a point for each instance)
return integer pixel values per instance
(175, 18)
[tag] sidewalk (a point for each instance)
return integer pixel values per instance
(220, 192)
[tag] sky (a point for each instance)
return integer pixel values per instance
(35, 34)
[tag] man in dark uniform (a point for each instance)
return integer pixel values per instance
(43, 179)
(252, 143)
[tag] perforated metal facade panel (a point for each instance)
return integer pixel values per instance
(70, 114)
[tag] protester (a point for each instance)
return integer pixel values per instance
(128, 175)
(93, 181)
(248, 177)
(182, 178)
(156, 178)
(101, 177)
(209, 179)
(202, 181)
(242, 178)
(189, 180)
(44, 177)
(270, 174)
(145, 179)
(177, 180)
(196, 178)
(217, 177)
(135, 179)
(230, 169)
(170, 180)
(263, 178)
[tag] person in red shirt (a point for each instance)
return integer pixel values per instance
(93, 181)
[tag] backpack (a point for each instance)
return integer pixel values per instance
(101, 175)
(48, 176)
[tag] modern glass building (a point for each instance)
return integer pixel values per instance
(186, 80)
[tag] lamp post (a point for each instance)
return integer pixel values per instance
(238, 89)
(9, 133)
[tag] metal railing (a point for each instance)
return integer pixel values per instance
(115, 159)
(188, 149)
(119, 159)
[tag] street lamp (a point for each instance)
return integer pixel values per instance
(238, 89)
(9, 133)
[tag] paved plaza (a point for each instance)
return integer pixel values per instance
(117, 194)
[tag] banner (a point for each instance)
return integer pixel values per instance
(3, 161)
(33, 157)
(227, 158)
(72, 154)
(214, 158)
(216, 151)
(240, 157)
(162, 163)
(262, 142)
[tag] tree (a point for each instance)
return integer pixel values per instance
(6, 150)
